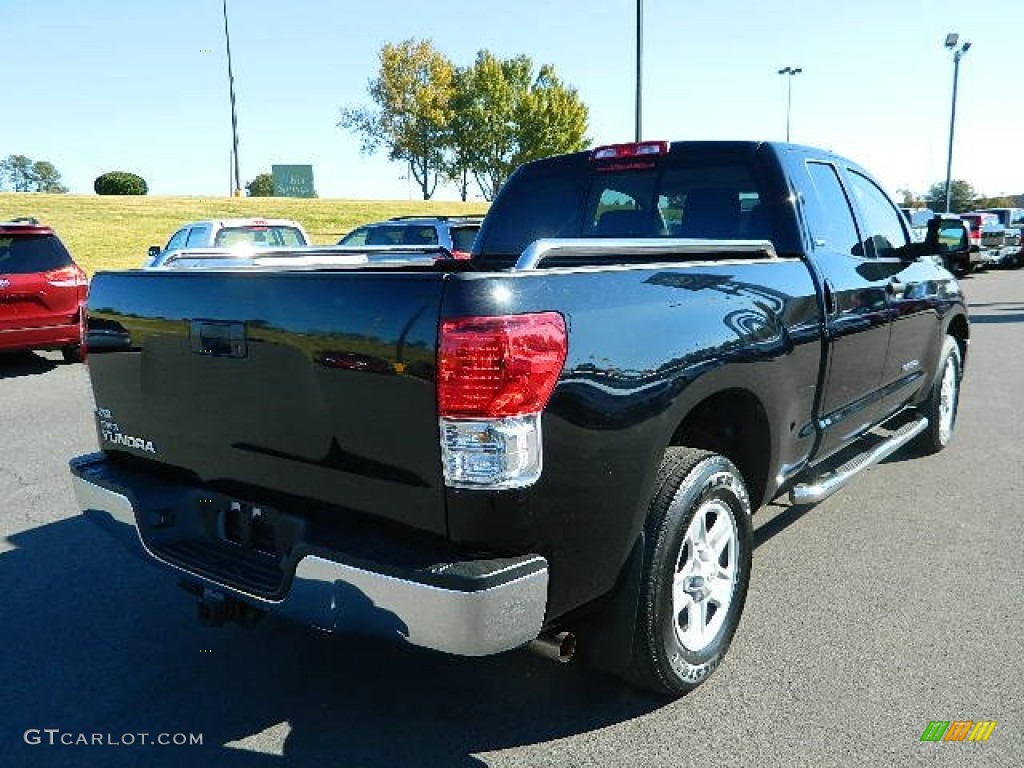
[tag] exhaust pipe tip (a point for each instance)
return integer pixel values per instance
(556, 646)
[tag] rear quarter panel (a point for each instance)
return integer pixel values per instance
(646, 346)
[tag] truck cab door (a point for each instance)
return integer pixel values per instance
(856, 313)
(914, 289)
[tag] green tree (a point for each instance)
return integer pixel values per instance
(412, 94)
(17, 170)
(961, 195)
(909, 200)
(46, 178)
(261, 186)
(457, 163)
(509, 116)
(1003, 201)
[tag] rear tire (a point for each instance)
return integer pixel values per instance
(944, 400)
(73, 354)
(695, 573)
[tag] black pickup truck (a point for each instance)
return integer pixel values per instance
(556, 443)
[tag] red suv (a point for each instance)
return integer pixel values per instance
(42, 291)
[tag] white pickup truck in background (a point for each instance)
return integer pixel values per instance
(246, 234)
(1012, 220)
(995, 244)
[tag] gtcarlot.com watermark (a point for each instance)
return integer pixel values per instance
(55, 736)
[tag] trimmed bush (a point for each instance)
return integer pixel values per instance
(120, 183)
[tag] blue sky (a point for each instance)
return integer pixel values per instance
(141, 85)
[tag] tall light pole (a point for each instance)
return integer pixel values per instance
(234, 117)
(790, 72)
(639, 66)
(951, 41)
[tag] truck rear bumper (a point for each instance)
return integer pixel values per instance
(468, 608)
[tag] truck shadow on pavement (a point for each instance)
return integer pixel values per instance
(17, 364)
(96, 642)
(998, 313)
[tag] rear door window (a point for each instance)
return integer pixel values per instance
(832, 222)
(25, 254)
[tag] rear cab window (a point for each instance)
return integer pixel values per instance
(694, 191)
(259, 236)
(463, 238)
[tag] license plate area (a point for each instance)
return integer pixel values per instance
(255, 529)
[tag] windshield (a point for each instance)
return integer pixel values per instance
(260, 236)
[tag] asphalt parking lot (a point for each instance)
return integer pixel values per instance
(894, 603)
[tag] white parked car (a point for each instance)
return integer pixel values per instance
(242, 234)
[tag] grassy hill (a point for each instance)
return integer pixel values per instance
(114, 232)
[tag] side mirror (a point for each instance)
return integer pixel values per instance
(154, 251)
(947, 237)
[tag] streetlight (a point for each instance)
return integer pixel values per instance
(791, 72)
(951, 40)
(234, 118)
(639, 63)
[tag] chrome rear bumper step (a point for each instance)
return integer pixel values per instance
(825, 485)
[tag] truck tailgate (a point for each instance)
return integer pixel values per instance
(314, 385)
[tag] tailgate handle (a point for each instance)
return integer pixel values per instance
(218, 339)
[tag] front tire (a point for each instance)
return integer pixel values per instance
(944, 400)
(695, 574)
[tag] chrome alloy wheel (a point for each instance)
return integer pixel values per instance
(947, 400)
(705, 575)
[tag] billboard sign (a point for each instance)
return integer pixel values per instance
(293, 180)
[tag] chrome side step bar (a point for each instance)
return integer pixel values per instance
(825, 485)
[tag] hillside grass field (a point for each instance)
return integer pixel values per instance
(114, 232)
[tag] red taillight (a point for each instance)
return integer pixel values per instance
(635, 149)
(461, 254)
(494, 367)
(68, 276)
